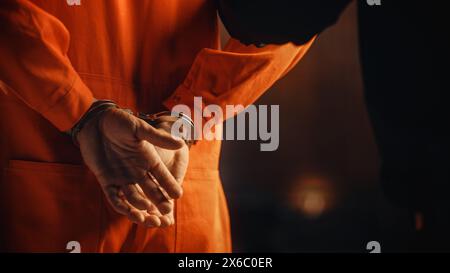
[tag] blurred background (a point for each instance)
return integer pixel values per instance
(319, 191)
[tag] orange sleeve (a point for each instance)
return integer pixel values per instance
(238, 75)
(34, 65)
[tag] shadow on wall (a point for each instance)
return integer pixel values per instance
(319, 190)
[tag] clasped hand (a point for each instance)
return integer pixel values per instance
(140, 168)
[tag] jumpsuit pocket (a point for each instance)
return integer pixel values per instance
(49, 207)
(202, 214)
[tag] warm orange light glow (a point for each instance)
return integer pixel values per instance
(312, 196)
(313, 203)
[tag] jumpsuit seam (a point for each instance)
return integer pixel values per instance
(176, 227)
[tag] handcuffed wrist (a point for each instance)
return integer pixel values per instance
(97, 108)
(167, 116)
(100, 106)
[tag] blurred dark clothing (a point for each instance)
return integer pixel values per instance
(403, 52)
(404, 56)
(268, 21)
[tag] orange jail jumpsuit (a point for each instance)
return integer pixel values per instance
(147, 55)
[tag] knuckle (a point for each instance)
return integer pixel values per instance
(154, 193)
(155, 166)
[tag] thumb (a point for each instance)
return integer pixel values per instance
(160, 138)
(182, 159)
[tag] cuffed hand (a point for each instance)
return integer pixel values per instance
(127, 155)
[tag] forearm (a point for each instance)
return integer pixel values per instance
(239, 75)
(34, 64)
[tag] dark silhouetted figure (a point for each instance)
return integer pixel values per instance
(404, 56)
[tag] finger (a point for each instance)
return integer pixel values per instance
(165, 221)
(152, 216)
(120, 205)
(145, 131)
(161, 199)
(133, 214)
(180, 169)
(135, 198)
(154, 211)
(154, 193)
(152, 219)
(170, 218)
(164, 177)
